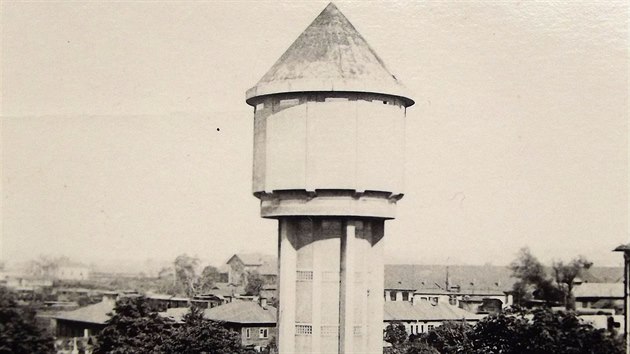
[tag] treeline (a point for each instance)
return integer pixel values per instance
(540, 331)
(135, 328)
(536, 283)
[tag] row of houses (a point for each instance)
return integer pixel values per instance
(421, 297)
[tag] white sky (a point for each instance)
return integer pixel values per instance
(110, 147)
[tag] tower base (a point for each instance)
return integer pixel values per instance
(330, 285)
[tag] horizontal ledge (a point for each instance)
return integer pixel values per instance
(328, 203)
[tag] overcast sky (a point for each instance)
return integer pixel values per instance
(125, 133)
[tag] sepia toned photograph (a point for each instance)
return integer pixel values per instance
(284, 177)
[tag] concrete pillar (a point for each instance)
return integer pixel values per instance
(626, 299)
(318, 271)
(286, 273)
(346, 290)
(376, 276)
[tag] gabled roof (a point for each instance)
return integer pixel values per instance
(470, 279)
(330, 55)
(267, 264)
(242, 312)
(96, 313)
(603, 290)
(226, 289)
(602, 275)
(622, 248)
(425, 311)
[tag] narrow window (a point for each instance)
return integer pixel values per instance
(264, 333)
(247, 333)
(289, 102)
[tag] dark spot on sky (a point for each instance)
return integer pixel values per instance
(218, 129)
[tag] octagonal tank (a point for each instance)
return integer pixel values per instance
(329, 127)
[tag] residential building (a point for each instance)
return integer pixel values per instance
(421, 316)
(83, 322)
(479, 289)
(255, 321)
(242, 264)
(599, 296)
(72, 271)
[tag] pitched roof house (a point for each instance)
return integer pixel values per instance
(242, 264)
(255, 321)
(423, 316)
(85, 321)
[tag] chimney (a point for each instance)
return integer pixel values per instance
(263, 302)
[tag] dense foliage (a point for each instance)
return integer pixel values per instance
(135, 328)
(18, 333)
(535, 284)
(539, 332)
(255, 283)
(199, 335)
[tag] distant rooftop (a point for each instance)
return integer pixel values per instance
(479, 279)
(96, 313)
(243, 312)
(622, 248)
(267, 264)
(425, 311)
(602, 290)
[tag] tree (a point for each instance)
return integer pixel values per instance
(396, 335)
(255, 283)
(542, 331)
(450, 337)
(533, 280)
(186, 273)
(47, 266)
(134, 328)
(565, 275)
(209, 276)
(200, 335)
(18, 332)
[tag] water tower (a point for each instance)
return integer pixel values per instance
(329, 129)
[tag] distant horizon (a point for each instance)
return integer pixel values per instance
(137, 263)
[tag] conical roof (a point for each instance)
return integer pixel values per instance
(330, 55)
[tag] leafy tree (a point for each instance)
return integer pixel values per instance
(420, 347)
(532, 276)
(47, 266)
(255, 283)
(199, 335)
(186, 273)
(396, 335)
(450, 337)
(541, 332)
(209, 276)
(134, 328)
(565, 275)
(500, 334)
(18, 332)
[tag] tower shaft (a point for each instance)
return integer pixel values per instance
(329, 131)
(331, 285)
